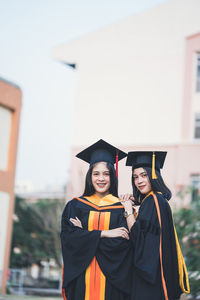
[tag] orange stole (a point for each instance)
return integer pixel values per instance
(95, 281)
(63, 289)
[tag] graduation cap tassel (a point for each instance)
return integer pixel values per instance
(154, 176)
(117, 158)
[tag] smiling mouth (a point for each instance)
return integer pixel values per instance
(101, 184)
(141, 187)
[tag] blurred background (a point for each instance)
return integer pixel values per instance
(72, 72)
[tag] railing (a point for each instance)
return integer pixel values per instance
(16, 285)
(16, 281)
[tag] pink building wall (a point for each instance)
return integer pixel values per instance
(11, 99)
(192, 47)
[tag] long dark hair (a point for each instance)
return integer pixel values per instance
(89, 189)
(157, 185)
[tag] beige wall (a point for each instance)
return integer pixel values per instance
(130, 76)
(135, 89)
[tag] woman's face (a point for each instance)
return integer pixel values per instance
(101, 179)
(141, 180)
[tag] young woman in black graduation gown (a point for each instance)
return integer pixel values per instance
(94, 237)
(159, 271)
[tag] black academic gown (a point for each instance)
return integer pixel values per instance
(147, 282)
(95, 268)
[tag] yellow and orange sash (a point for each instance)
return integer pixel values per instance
(95, 281)
(104, 203)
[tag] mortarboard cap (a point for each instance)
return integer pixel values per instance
(101, 151)
(155, 160)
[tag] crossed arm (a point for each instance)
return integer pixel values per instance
(117, 232)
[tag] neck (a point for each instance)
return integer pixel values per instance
(101, 195)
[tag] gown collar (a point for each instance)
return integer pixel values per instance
(150, 193)
(107, 200)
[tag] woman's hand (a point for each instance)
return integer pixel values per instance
(76, 222)
(117, 232)
(127, 201)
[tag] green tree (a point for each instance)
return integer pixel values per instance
(187, 221)
(50, 211)
(36, 232)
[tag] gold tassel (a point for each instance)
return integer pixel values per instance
(181, 266)
(153, 167)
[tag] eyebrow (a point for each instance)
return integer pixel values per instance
(140, 173)
(102, 171)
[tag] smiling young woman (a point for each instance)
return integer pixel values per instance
(141, 180)
(159, 270)
(95, 241)
(101, 179)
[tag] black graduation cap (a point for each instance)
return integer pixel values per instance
(153, 159)
(101, 151)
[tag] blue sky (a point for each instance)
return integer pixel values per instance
(30, 29)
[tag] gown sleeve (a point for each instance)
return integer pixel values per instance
(114, 256)
(145, 237)
(78, 245)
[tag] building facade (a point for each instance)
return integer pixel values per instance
(138, 87)
(10, 107)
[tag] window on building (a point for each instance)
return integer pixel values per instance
(5, 129)
(198, 73)
(195, 184)
(197, 127)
